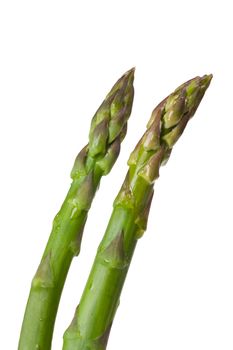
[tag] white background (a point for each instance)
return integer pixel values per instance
(58, 60)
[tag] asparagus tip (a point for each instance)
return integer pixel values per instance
(206, 79)
(129, 75)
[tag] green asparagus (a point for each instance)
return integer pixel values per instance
(93, 318)
(108, 129)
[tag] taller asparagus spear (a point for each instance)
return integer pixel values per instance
(108, 129)
(92, 321)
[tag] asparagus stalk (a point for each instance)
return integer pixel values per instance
(93, 318)
(108, 129)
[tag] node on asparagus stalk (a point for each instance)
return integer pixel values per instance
(93, 318)
(108, 129)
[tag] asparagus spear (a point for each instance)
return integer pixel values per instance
(108, 129)
(93, 318)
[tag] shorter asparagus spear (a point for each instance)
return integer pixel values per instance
(92, 321)
(108, 129)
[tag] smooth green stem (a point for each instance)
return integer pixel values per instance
(93, 318)
(47, 285)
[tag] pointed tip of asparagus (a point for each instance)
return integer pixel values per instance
(110, 121)
(170, 117)
(130, 72)
(205, 81)
(129, 76)
(195, 91)
(207, 78)
(125, 80)
(197, 82)
(181, 106)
